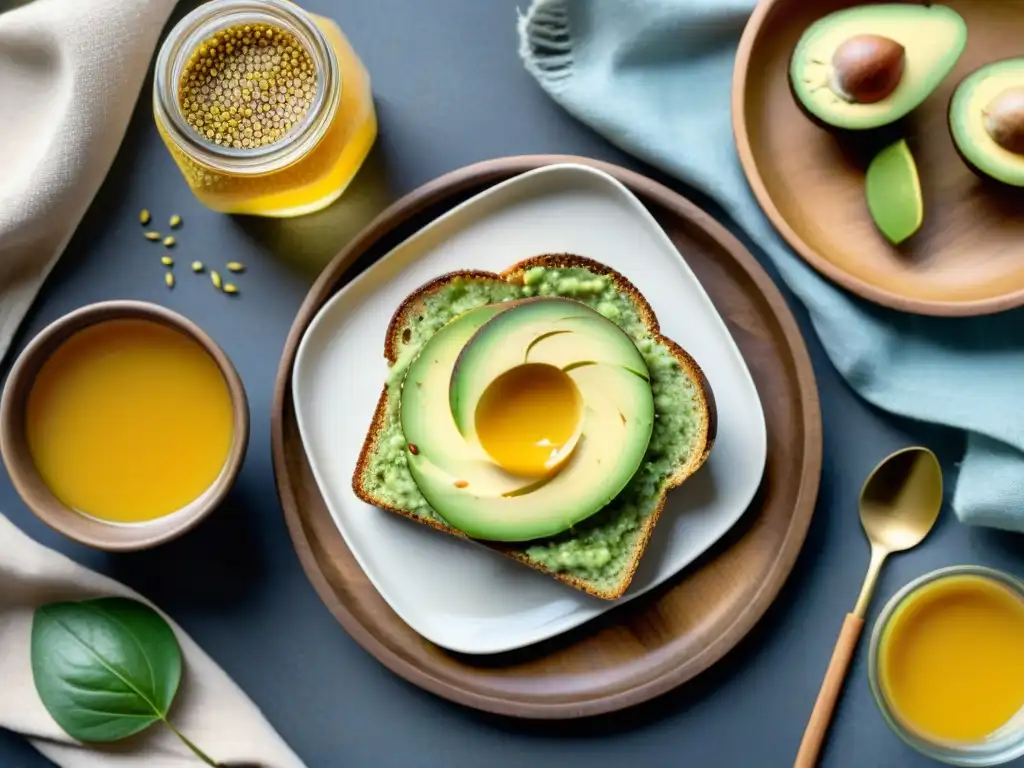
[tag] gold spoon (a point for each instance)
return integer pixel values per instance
(899, 504)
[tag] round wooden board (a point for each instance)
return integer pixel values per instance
(657, 641)
(965, 260)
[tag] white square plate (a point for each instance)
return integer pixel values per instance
(458, 594)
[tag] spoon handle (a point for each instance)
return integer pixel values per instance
(817, 726)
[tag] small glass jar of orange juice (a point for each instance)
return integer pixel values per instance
(266, 108)
(947, 665)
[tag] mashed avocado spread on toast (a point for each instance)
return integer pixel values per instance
(597, 548)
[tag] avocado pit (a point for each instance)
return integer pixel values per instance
(1004, 120)
(529, 418)
(866, 68)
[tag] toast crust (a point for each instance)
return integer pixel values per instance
(707, 428)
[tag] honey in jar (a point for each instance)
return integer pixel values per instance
(266, 109)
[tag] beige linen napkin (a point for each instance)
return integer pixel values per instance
(70, 73)
(210, 709)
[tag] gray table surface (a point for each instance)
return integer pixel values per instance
(450, 91)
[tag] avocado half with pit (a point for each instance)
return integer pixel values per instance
(527, 417)
(868, 66)
(986, 119)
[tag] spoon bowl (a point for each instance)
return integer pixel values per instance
(901, 499)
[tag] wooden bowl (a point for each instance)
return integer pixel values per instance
(965, 260)
(14, 442)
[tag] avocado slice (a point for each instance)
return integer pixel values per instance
(868, 66)
(571, 333)
(445, 407)
(893, 191)
(986, 120)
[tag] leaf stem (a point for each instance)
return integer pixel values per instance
(198, 752)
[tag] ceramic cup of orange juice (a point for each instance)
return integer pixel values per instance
(947, 665)
(266, 109)
(122, 425)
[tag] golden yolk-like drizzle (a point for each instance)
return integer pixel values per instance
(129, 420)
(527, 416)
(952, 658)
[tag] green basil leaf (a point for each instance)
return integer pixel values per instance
(104, 668)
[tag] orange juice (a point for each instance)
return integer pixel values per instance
(129, 420)
(951, 659)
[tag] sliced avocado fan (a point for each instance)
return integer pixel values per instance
(868, 66)
(986, 120)
(484, 395)
(893, 191)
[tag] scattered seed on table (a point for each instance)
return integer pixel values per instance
(215, 278)
(152, 235)
(230, 288)
(167, 261)
(236, 266)
(197, 266)
(144, 217)
(175, 221)
(169, 279)
(169, 242)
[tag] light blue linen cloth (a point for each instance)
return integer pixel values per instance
(654, 77)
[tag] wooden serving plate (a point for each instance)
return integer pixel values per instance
(966, 259)
(661, 639)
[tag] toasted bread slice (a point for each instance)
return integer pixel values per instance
(679, 444)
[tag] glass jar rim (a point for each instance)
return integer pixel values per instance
(209, 18)
(974, 755)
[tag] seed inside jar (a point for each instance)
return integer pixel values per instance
(247, 86)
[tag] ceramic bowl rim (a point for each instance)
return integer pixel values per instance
(24, 475)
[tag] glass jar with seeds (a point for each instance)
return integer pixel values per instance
(266, 109)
